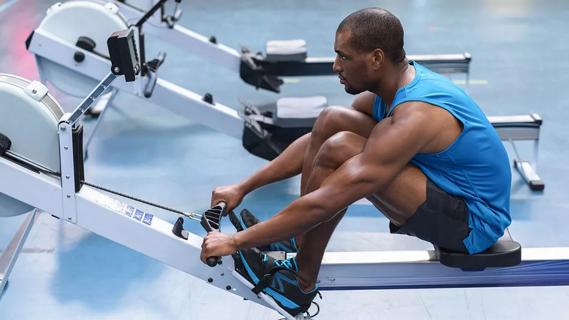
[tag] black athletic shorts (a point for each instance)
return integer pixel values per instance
(441, 220)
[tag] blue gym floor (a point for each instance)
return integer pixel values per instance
(519, 66)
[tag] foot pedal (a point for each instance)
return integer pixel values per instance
(178, 229)
(530, 176)
(240, 274)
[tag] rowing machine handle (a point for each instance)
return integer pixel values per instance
(171, 20)
(211, 221)
(150, 84)
(152, 68)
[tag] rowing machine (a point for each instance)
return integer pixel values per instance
(282, 58)
(53, 182)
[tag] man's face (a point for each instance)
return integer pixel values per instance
(352, 66)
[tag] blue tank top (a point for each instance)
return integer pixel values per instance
(474, 167)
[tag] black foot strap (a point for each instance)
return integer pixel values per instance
(267, 278)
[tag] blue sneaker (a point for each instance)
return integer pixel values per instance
(288, 246)
(275, 281)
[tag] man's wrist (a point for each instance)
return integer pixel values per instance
(237, 240)
(246, 187)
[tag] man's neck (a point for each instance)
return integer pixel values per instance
(397, 77)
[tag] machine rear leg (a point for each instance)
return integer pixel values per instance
(10, 254)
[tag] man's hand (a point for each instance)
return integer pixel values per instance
(231, 195)
(217, 244)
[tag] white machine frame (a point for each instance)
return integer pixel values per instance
(11, 252)
(166, 94)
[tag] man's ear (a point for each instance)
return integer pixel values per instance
(377, 58)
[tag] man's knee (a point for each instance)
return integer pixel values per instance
(328, 122)
(338, 148)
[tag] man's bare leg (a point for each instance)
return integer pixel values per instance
(399, 202)
(331, 121)
(299, 156)
(341, 146)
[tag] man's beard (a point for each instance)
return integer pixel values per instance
(364, 86)
(352, 91)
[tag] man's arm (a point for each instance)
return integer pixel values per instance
(286, 165)
(391, 145)
(289, 163)
(363, 102)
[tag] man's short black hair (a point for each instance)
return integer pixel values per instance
(374, 28)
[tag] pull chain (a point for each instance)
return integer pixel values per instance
(190, 215)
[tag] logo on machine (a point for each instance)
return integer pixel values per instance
(138, 215)
(147, 218)
(129, 211)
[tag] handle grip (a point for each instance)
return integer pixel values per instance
(212, 261)
(211, 222)
(152, 67)
(150, 84)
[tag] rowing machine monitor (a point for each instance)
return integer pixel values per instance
(123, 54)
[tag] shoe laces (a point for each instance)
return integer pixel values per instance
(286, 263)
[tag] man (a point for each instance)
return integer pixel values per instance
(414, 144)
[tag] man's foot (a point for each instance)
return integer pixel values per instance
(288, 246)
(274, 278)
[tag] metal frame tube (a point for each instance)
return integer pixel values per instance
(166, 94)
(12, 251)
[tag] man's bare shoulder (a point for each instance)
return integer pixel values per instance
(433, 124)
(415, 111)
(421, 111)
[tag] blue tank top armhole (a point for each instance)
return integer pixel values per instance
(486, 196)
(431, 102)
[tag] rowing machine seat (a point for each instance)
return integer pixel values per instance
(504, 253)
(270, 128)
(286, 50)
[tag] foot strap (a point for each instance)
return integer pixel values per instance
(267, 278)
